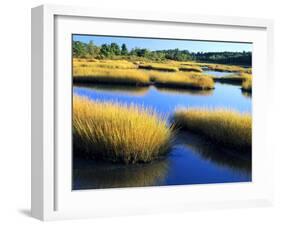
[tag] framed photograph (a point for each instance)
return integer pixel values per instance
(136, 112)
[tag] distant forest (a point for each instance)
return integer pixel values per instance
(114, 51)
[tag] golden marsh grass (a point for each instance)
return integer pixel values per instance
(193, 68)
(247, 85)
(119, 133)
(110, 76)
(221, 126)
(233, 79)
(227, 68)
(158, 67)
(182, 80)
(111, 64)
(92, 72)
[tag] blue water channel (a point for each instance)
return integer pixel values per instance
(192, 159)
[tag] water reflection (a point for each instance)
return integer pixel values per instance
(119, 89)
(217, 73)
(177, 91)
(246, 94)
(167, 100)
(89, 174)
(239, 162)
(141, 90)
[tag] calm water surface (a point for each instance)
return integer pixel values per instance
(191, 161)
(217, 73)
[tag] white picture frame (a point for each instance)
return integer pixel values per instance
(52, 197)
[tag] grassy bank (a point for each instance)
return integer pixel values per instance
(118, 133)
(190, 68)
(182, 80)
(158, 67)
(111, 64)
(230, 79)
(221, 126)
(110, 76)
(236, 79)
(226, 68)
(247, 85)
(121, 72)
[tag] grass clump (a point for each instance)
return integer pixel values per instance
(158, 67)
(119, 133)
(227, 68)
(122, 72)
(237, 79)
(110, 64)
(221, 126)
(247, 85)
(182, 80)
(110, 76)
(192, 68)
(248, 70)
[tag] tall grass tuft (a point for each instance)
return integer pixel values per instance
(110, 76)
(119, 133)
(158, 67)
(227, 68)
(182, 80)
(122, 72)
(237, 79)
(247, 85)
(221, 126)
(111, 64)
(193, 68)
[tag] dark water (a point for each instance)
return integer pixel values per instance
(191, 161)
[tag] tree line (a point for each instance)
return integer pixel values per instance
(238, 58)
(114, 51)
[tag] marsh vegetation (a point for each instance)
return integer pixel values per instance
(112, 132)
(132, 108)
(127, 73)
(247, 84)
(222, 126)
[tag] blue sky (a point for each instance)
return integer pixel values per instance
(160, 44)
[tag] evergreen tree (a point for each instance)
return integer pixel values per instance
(124, 50)
(115, 49)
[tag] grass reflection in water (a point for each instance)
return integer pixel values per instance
(89, 174)
(239, 162)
